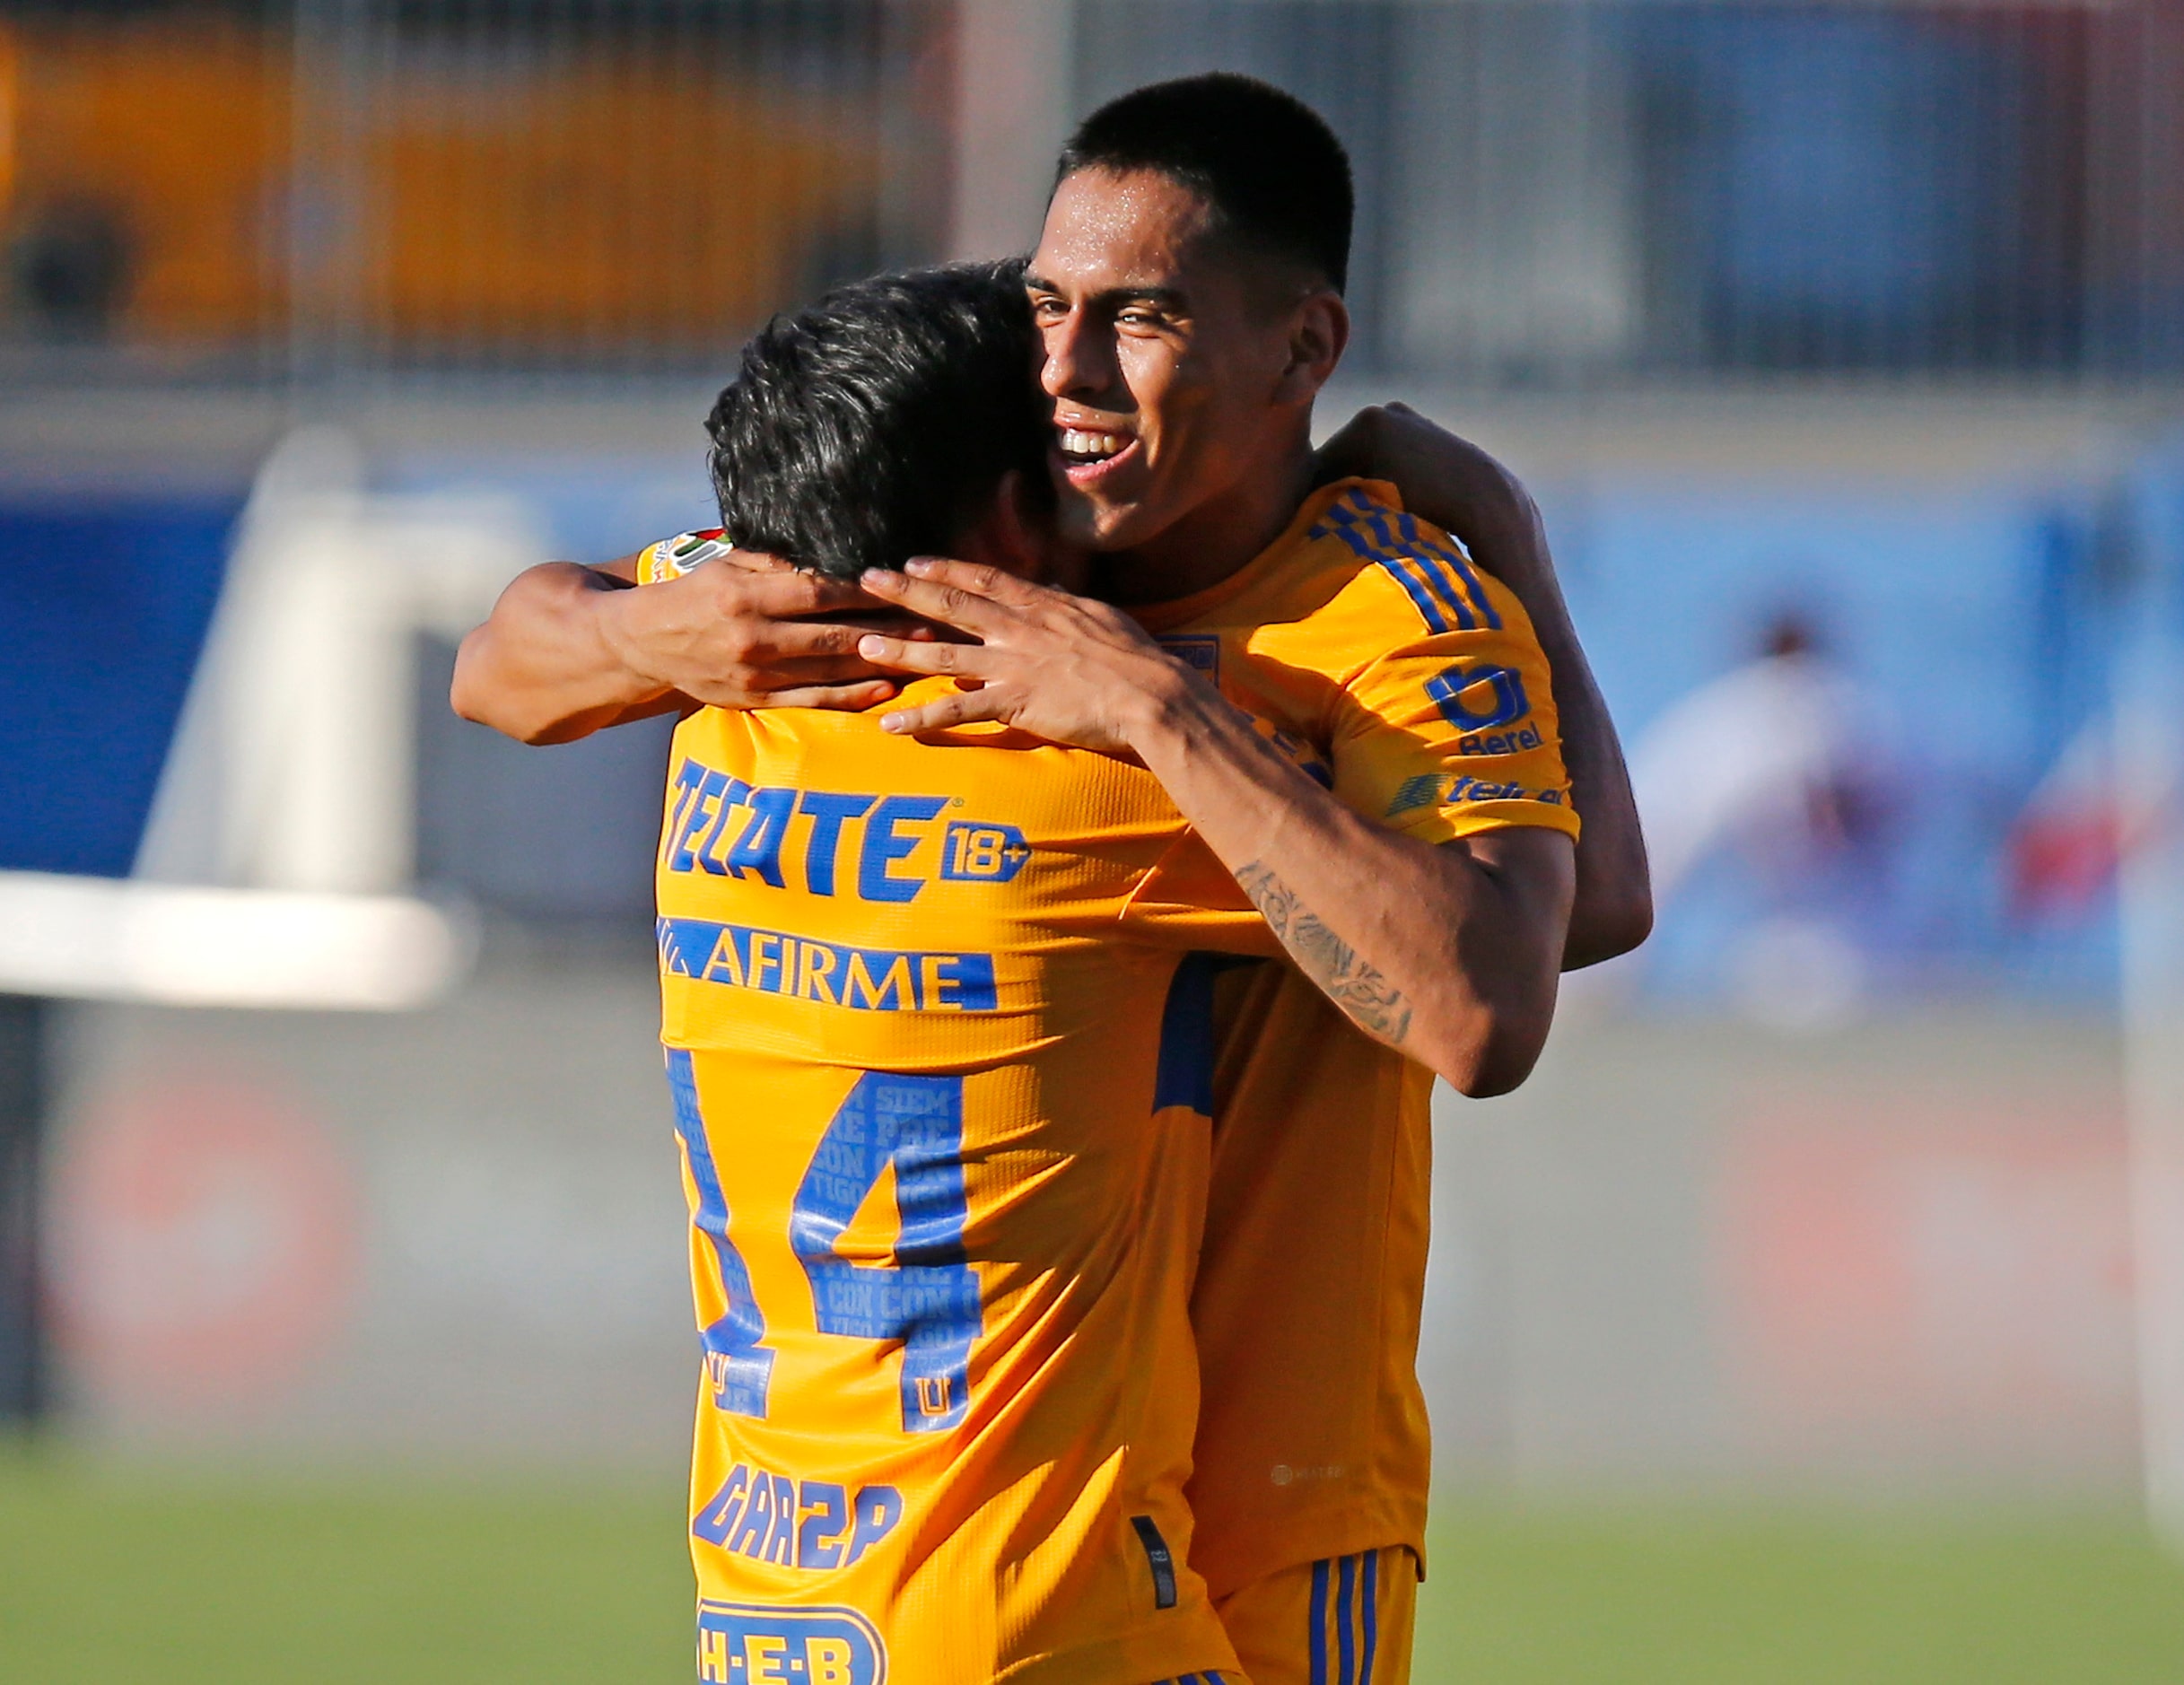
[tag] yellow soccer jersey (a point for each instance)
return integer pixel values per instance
(1370, 636)
(941, 1058)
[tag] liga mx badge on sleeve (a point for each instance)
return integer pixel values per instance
(671, 558)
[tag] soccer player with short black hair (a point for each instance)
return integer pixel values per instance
(875, 425)
(1188, 289)
(941, 1053)
(1273, 172)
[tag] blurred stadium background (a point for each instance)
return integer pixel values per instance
(1816, 1313)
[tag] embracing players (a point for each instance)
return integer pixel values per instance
(1188, 286)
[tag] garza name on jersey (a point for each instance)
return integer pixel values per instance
(941, 1054)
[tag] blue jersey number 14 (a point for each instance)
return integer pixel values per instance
(927, 1299)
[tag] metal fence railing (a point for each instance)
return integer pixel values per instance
(1560, 192)
(345, 187)
(1552, 191)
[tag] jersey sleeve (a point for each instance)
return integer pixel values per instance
(1451, 732)
(671, 558)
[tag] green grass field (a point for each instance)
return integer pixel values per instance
(112, 1574)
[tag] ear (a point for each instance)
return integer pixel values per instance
(1016, 530)
(1008, 535)
(1319, 331)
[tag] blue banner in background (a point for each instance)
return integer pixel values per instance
(107, 606)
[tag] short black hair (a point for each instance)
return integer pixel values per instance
(1267, 162)
(868, 427)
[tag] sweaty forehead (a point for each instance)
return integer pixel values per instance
(1106, 230)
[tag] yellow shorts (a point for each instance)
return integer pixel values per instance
(1346, 1620)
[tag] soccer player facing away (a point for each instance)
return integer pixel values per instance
(941, 1059)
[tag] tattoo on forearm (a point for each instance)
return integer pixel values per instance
(1361, 991)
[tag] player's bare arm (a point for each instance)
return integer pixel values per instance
(1465, 491)
(570, 649)
(1448, 952)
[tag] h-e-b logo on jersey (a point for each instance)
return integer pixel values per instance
(749, 1644)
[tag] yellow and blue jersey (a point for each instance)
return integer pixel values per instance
(1367, 645)
(1370, 638)
(937, 1022)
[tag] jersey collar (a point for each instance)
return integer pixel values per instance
(1158, 618)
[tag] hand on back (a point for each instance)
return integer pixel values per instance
(749, 631)
(1058, 665)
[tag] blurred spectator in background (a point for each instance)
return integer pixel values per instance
(1774, 761)
(72, 266)
(1760, 755)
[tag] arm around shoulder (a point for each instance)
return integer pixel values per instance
(546, 667)
(1506, 964)
(1467, 493)
(1448, 951)
(569, 650)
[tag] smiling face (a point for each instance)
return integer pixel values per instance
(1171, 354)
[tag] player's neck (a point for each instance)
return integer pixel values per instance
(1218, 536)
